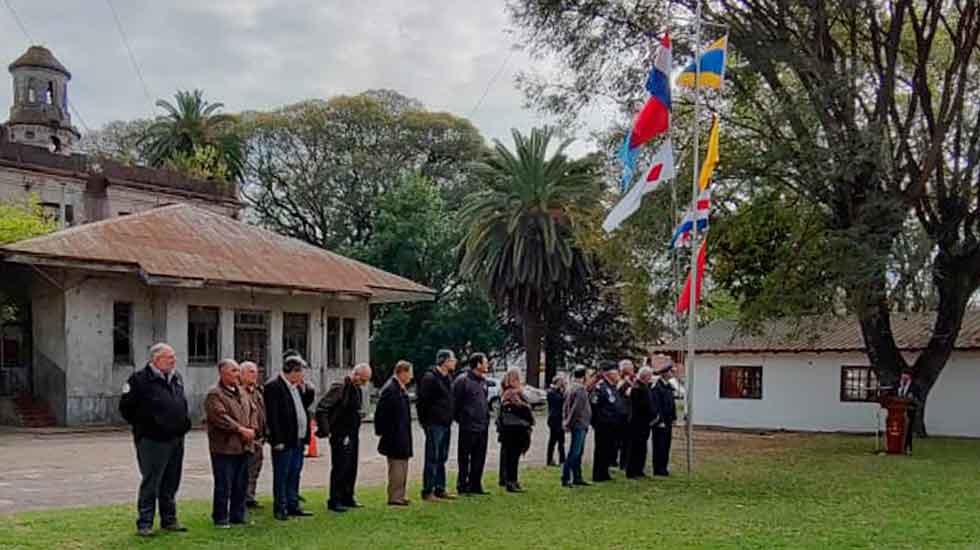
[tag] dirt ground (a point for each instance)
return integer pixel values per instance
(54, 469)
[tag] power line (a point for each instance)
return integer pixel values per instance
(17, 20)
(129, 49)
(490, 84)
(30, 42)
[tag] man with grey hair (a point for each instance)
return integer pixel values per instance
(338, 416)
(435, 406)
(153, 403)
(287, 401)
(624, 442)
(641, 415)
(253, 389)
(232, 422)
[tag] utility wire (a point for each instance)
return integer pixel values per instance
(129, 49)
(490, 84)
(30, 42)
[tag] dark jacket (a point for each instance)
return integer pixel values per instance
(556, 408)
(608, 406)
(515, 421)
(393, 422)
(577, 413)
(226, 410)
(156, 410)
(338, 413)
(641, 405)
(280, 414)
(435, 399)
(258, 400)
(470, 403)
(664, 407)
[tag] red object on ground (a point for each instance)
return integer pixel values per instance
(896, 424)
(311, 450)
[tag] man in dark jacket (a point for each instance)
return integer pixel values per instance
(287, 402)
(393, 426)
(153, 403)
(908, 389)
(641, 414)
(627, 377)
(435, 405)
(232, 422)
(338, 416)
(608, 416)
(664, 415)
(472, 412)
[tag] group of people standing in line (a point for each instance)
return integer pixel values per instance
(242, 415)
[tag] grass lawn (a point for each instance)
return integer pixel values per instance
(793, 491)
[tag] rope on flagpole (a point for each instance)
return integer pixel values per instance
(692, 305)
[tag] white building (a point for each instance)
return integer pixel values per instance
(822, 381)
(102, 293)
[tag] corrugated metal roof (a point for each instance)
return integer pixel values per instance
(912, 332)
(189, 243)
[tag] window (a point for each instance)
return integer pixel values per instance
(122, 213)
(52, 210)
(348, 343)
(69, 214)
(122, 333)
(49, 94)
(31, 94)
(858, 384)
(295, 331)
(202, 335)
(741, 382)
(333, 342)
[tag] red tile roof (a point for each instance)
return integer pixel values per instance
(912, 332)
(186, 243)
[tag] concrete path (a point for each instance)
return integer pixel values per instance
(55, 470)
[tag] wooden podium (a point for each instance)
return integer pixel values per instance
(896, 423)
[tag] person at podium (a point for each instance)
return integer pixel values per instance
(908, 389)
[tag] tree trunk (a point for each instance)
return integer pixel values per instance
(532, 349)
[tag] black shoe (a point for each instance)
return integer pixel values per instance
(336, 508)
(478, 492)
(144, 532)
(582, 483)
(299, 513)
(514, 488)
(174, 528)
(253, 504)
(353, 504)
(567, 484)
(300, 498)
(281, 517)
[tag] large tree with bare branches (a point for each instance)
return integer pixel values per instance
(864, 114)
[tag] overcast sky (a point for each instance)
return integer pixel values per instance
(260, 54)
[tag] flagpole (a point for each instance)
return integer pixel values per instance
(692, 306)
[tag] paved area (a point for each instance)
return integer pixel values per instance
(84, 469)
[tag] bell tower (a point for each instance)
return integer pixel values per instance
(39, 115)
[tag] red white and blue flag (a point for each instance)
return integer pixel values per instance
(661, 169)
(684, 300)
(654, 118)
(682, 235)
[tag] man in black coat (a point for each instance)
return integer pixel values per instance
(153, 403)
(664, 415)
(608, 416)
(287, 403)
(393, 426)
(627, 377)
(472, 412)
(435, 405)
(338, 416)
(641, 415)
(908, 389)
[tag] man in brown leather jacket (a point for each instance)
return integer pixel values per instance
(231, 421)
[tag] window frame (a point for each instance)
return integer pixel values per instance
(288, 331)
(128, 359)
(748, 369)
(203, 360)
(871, 396)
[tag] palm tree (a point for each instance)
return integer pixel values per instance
(519, 240)
(189, 125)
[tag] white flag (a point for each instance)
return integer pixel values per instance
(661, 169)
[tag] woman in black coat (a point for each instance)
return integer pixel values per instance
(556, 408)
(514, 428)
(393, 425)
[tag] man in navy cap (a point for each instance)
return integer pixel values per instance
(609, 415)
(664, 415)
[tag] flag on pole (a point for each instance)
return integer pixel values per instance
(654, 118)
(712, 64)
(661, 169)
(684, 301)
(682, 235)
(711, 160)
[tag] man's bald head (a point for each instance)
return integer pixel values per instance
(361, 374)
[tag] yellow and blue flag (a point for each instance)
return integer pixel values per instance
(712, 67)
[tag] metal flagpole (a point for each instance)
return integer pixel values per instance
(692, 302)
